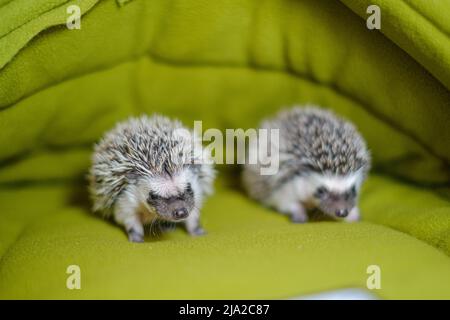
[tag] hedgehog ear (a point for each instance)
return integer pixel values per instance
(152, 197)
(189, 188)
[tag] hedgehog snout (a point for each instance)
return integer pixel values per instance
(341, 213)
(180, 213)
(174, 210)
(337, 205)
(175, 207)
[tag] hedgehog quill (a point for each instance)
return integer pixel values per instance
(144, 170)
(323, 163)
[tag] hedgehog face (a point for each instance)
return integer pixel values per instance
(171, 198)
(337, 196)
(338, 204)
(175, 207)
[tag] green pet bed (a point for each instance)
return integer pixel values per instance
(227, 63)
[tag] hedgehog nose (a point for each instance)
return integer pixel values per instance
(341, 213)
(180, 213)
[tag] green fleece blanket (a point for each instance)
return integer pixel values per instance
(228, 63)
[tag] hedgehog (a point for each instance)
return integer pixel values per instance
(323, 162)
(149, 169)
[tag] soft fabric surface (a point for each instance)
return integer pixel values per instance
(228, 63)
(249, 252)
(421, 28)
(22, 20)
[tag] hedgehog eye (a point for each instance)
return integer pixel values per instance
(320, 192)
(189, 188)
(152, 197)
(353, 191)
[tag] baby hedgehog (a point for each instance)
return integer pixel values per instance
(323, 161)
(147, 169)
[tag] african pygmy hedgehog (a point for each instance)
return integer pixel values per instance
(147, 169)
(323, 161)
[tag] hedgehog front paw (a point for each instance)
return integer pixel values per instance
(193, 225)
(297, 213)
(299, 218)
(135, 236)
(199, 231)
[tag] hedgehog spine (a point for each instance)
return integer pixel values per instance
(144, 170)
(323, 163)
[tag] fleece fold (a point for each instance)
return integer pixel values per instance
(229, 64)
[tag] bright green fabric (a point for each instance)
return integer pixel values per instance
(421, 28)
(249, 252)
(228, 63)
(22, 20)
